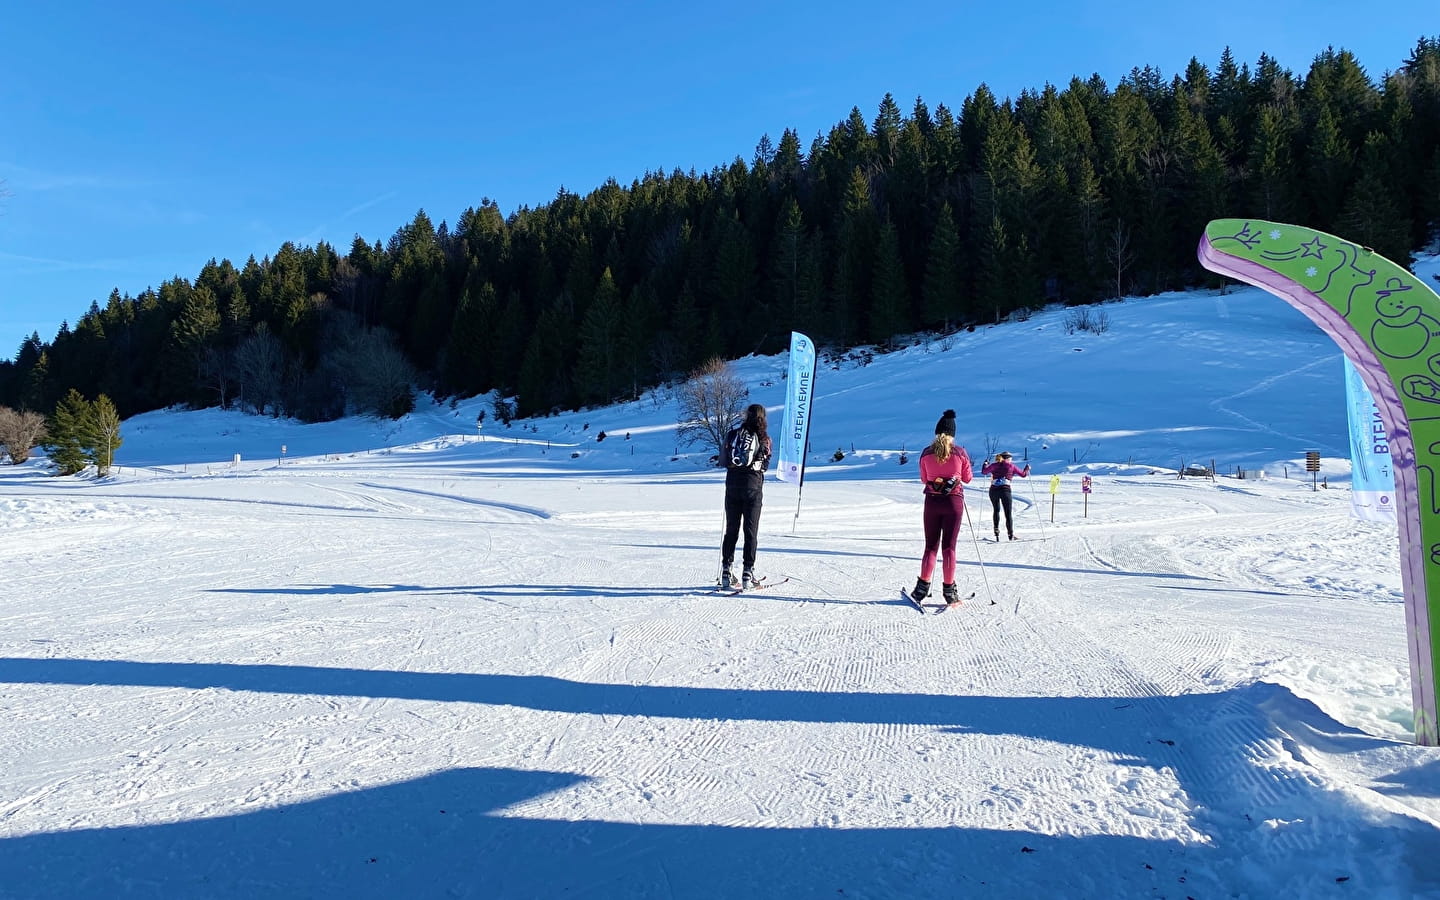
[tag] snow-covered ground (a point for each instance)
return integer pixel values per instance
(421, 659)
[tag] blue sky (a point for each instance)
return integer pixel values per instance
(139, 140)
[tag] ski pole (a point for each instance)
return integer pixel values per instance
(1035, 505)
(720, 565)
(973, 537)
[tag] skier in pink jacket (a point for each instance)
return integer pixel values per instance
(1002, 471)
(945, 470)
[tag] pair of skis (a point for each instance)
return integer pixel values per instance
(943, 608)
(756, 585)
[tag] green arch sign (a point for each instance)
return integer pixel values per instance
(1387, 322)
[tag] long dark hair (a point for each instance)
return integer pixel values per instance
(754, 419)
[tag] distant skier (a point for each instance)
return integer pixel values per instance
(1002, 471)
(745, 456)
(945, 470)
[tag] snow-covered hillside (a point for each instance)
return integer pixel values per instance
(421, 659)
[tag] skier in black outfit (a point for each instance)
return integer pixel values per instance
(745, 456)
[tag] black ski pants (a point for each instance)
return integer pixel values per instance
(1000, 496)
(742, 506)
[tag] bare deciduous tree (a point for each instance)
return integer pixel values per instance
(260, 370)
(388, 386)
(666, 353)
(216, 370)
(1120, 253)
(711, 402)
(104, 434)
(20, 431)
(374, 374)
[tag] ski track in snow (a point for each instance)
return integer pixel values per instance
(820, 729)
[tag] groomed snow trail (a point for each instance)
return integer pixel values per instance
(401, 680)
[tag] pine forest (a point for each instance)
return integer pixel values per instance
(887, 225)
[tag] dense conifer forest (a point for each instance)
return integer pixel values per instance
(906, 220)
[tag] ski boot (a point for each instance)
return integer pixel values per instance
(727, 579)
(1012, 537)
(921, 591)
(951, 593)
(997, 534)
(747, 579)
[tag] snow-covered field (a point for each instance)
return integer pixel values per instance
(419, 659)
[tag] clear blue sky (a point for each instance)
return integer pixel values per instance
(138, 140)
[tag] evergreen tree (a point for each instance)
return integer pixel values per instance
(68, 433)
(511, 336)
(88, 352)
(1328, 169)
(1025, 280)
(1229, 92)
(542, 380)
(1129, 133)
(855, 257)
(734, 288)
(29, 351)
(1371, 216)
(713, 338)
(1057, 246)
(886, 132)
(785, 260)
(35, 392)
(1419, 82)
(908, 190)
(1273, 84)
(598, 368)
(466, 368)
(1014, 175)
(199, 322)
(977, 114)
(235, 317)
(942, 273)
(1204, 180)
(638, 334)
(1090, 229)
(687, 326)
(1338, 81)
(788, 166)
(945, 144)
(810, 289)
(852, 142)
(890, 299)
(993, 280)
(1272, 162)
(1430, 194)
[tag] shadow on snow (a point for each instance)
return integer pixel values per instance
(446, 835)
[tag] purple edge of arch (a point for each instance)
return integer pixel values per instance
(1397, 425)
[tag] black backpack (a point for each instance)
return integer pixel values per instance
(743, 449)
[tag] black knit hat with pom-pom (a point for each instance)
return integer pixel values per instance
(946, 425)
